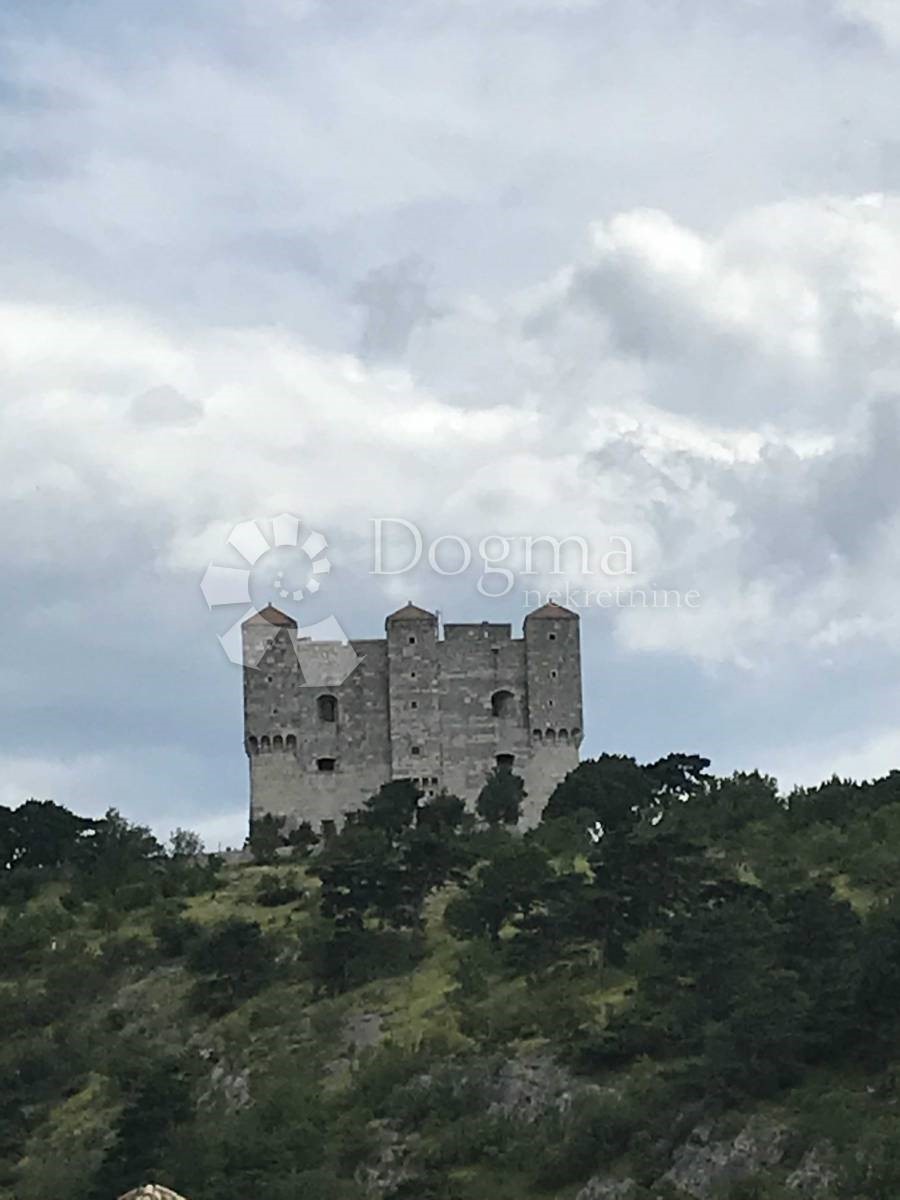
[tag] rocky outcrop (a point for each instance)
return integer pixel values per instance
(815, 1175)
(704, 1165)
(606, 1188)
(392, 1165)
(526, 1088)
(362, 1031)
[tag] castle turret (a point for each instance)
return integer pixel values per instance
(271, 712)
(553, 671)
(413, 699)
(553, 658)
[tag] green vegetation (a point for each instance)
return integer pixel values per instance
(426, 1005)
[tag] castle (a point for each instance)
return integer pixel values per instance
(440, 707)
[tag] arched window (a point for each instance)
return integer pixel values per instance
(327, 706)
(576, 734)
(252, 745)
(506, 761)
(277, 742)
(536, 735)
(564, 735)
(264, 744)
(550, 735)
(503, 704)
(290, 742)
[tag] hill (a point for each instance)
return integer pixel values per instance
(677, 985)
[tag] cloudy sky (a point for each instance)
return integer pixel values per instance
(585, 268)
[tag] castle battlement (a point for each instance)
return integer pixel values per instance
(439, 707)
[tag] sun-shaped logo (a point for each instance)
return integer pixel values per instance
(288, 566)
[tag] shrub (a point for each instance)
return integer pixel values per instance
(273, 890)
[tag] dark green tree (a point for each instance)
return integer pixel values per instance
(234, 960)
(40, 834)
(500, 800)
(612, 790)
(266, 837)
(302, 839)
(156, 1102)
(393, 807)
(506, 889)
(117, 854)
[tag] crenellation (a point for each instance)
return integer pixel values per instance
(441, 710)
(483, 631)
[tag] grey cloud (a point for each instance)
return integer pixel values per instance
(396, 300)
(164, 405)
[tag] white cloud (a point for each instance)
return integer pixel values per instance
(781, 521)
(625, 269)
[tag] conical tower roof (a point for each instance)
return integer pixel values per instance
(554, 611)
(271, 616)
(412, 612)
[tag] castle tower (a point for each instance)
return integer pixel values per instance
(553, 666)
(270, 709)
(413, 695)
(553, 670)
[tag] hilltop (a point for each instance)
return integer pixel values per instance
(676, 985)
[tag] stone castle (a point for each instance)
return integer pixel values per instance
(439, 707)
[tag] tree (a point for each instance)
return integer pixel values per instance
(235, 960)
(359, 869)
(266, 837)
(115, 854)
(302, 839)
(820, 942)
(444, 813)
(836, 801)
(392, 808)
(500, 800)
(506, 889)
(679, 777)
(184, 843)
(642, 875)
(40, 833)
(612, 790)
(157, 1101)
(879, 992)
(437, 850)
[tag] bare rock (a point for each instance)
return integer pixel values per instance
(606, 1188)
(392, 1165)
(815, 1174)
(232, 1086)
(525, 1088)
(362, 1031)
(704, 1165)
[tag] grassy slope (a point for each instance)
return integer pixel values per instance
(414, 1010)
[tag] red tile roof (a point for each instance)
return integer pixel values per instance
(554, 611)
(271, 616)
